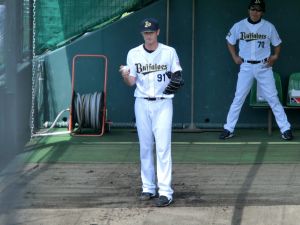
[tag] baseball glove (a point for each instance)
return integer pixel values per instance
(175, 83)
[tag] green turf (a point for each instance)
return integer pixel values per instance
(121, 146)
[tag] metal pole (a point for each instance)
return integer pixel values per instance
(31, 28)
(168, 22)
(12, 51)
(192, 124)
(11, 45)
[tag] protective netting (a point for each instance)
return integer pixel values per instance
(59, 21)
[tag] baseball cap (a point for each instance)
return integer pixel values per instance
(149, 25)
(259, 3)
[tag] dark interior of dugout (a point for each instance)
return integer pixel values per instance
(197, 30)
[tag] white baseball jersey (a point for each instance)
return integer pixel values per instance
(254, 44)
(254, 39)
(150, 69)
(154, 118)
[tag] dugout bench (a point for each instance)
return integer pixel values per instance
(292, 102)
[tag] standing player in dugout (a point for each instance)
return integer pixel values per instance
(155, 70)
(255, 35)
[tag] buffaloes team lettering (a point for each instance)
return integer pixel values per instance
(252, 36)
(149, 68)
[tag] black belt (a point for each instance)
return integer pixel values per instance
(154, 99)
(254, 61)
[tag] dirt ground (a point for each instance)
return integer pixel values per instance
(108, 194)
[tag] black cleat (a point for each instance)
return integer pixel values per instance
(163, 201)
(145, 196)
(226, 134)
(287, 135)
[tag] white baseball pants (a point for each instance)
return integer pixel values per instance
(154, 123)
(265, 80)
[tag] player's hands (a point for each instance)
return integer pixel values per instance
(124, 70)
(238, 60)
(271, 60)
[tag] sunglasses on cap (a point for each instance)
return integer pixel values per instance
(257, 9)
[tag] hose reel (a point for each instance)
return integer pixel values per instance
(88, 111)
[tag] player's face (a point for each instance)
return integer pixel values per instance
(255, 13)
(150, 38)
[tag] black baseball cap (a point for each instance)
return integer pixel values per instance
(259, 3)
(149, 25)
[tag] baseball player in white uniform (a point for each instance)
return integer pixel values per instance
(255, 35)
(147, 67)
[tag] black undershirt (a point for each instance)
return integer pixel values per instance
(149, 51)
(252, 22)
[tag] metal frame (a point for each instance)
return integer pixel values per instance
(71, 126)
